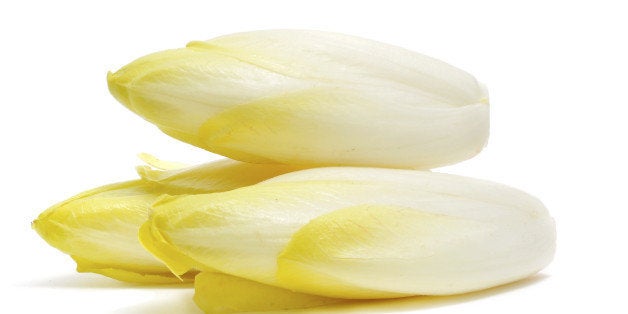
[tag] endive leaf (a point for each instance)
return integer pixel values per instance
(221, 293)
(157, 163)
(309, 98)
(99, 228)
(327, 56)
(380, 247)
(301, 125)
(469, 234)
(221, 175)
(107, 270)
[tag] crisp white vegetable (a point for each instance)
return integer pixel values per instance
(358, 233)
(309, 98)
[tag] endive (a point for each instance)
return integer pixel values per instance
(309, 98)
(99, 228)
(358, 233)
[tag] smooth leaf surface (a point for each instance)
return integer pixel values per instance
(309, 98)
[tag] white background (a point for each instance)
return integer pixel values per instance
(556, 72)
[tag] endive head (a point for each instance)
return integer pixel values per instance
(358, 233)
(309, 98)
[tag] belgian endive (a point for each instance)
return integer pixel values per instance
(99, 228)
(357, 233)
(309, 98)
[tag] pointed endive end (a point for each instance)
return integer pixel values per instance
(118, 89)
(49, 228)
(37, 225)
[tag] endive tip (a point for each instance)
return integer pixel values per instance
(35, 225)
(47, 225)
(119, 91)
(38, 225)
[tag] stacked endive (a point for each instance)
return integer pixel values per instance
(326, 197)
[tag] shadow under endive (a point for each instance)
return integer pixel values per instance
(94, 281)
(419, 302)
(180, 303)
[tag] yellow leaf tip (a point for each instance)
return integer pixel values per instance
(118, 90)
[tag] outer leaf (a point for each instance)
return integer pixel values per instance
(216, 176)
(304, 129)
(405, 251)
(309, 98)
(336, 242)
(142, 276)
(220, 293)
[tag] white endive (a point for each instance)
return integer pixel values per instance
(358, 233)
(99, 227)
(309, 98)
